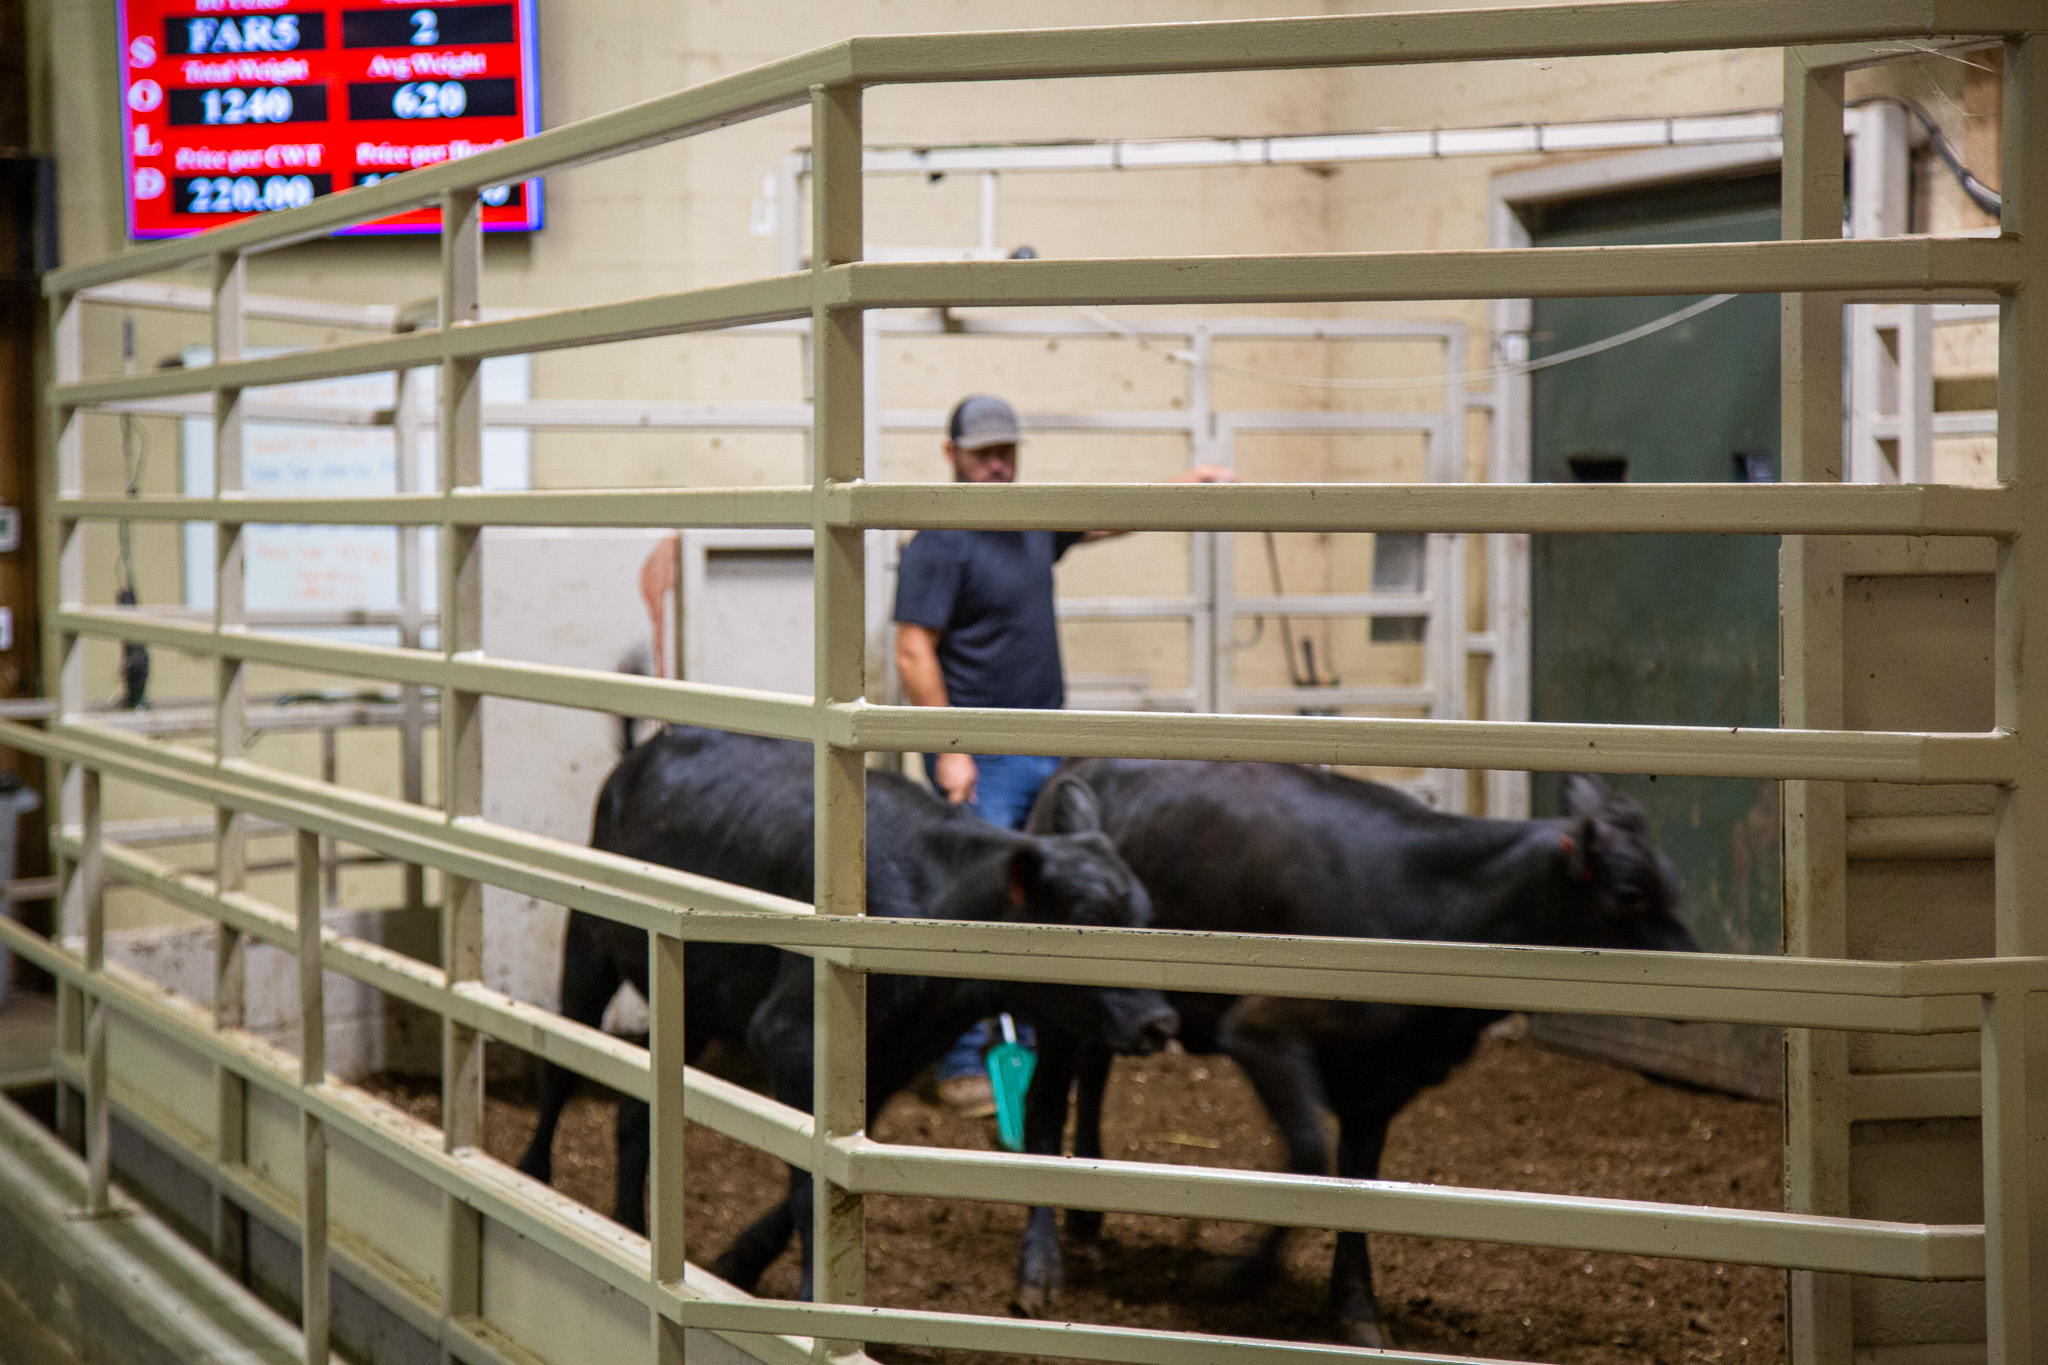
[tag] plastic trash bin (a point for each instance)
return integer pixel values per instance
(15, 801)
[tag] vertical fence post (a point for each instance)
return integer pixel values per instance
(313, 1300)
(462, 929)
(231, 740)
(61, 547)
(2015, 1062)
(839, 1084)
(330, 849)
(412, 783)
(1815, 865)
(1206, 636)
(90, 879)
(666, 1205)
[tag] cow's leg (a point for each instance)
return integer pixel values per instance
(1092, 1075)
(1279, 1061)
(590, 977)
(1359, 1142)
(1045, 1122)
(780, 1035)
(629, 1206)
(754, 1250)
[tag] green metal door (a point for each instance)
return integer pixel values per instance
(1667, 629)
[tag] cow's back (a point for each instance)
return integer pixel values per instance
(1281, 848)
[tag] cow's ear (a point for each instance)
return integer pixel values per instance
(1026, 874)
(1576, 846)
(1073, 808)
(1583, 793)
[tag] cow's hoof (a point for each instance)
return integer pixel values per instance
(1359, 1332)
(1236, 1277)
(1030, 1301)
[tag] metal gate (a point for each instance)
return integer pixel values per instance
(494, 1252)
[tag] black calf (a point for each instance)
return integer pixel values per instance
(739, 809)
(1277, 849)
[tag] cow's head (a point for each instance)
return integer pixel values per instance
(1621, 890)
(1064, 870)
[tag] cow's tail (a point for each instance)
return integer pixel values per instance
(639, 662)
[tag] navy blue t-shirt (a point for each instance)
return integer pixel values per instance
(989, 595)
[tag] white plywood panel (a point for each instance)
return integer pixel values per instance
(558, 1312)
(570, 597)
(359, 1043)
(747, 611)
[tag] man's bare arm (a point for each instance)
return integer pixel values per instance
(1201, 473)
(917, 668)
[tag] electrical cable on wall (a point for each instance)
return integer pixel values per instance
(134, 458)
(1980, 194)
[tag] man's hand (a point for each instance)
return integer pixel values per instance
(957, 777)
(924, 684)
(1201, 473)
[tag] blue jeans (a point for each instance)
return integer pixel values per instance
(1005, 785)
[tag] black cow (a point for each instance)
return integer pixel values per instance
(1276, 849)
(739, 809)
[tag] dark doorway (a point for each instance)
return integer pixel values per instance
(1667, 629)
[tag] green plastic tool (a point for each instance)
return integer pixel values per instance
(1010, 1065)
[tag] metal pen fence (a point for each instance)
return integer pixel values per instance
(2005, 997)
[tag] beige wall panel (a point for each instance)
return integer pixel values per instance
(1928, 1172)
(1904, 910)
(1917, 655)
(560, 1313)
(381, 1205)
(175, 1079)
(1893, 628)
(557, 597)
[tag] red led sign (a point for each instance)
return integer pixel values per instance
(237, 107)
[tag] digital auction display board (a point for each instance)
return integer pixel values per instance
(236, 107)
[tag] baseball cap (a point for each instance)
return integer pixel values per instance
(982, 420)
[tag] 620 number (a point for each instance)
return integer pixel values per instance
(430, 99)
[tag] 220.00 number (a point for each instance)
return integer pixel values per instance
(248, 193)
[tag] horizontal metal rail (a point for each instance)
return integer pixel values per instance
(1662, 509)
(1629, 1227)
(1936, 267)
(1823, 755)
(1536, 746)
(1647, 509)
(728, 708)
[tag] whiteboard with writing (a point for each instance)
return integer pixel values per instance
(336, 568)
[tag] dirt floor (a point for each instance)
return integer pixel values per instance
(1515, 1117)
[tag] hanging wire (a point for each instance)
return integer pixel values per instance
(1650, 328)
(1981, 194)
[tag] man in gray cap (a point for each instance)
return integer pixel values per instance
(975, 627)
